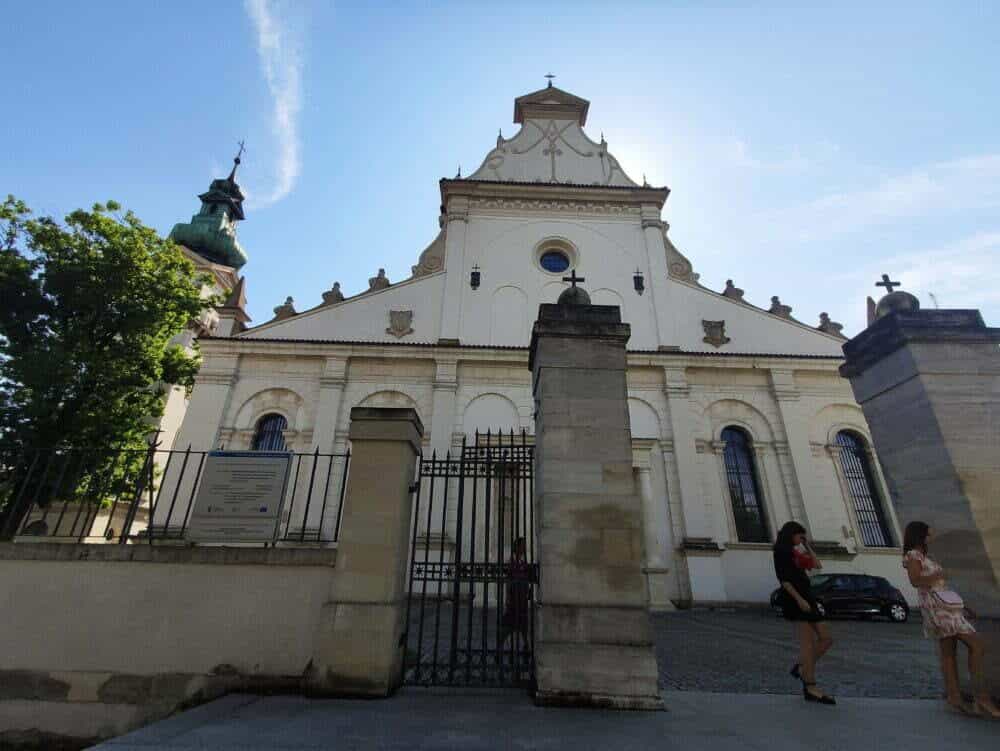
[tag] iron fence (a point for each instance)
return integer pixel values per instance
(141, 496)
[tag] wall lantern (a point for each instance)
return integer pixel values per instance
(474, 278)
(640, 284)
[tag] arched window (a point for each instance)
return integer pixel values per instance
(744, 487)
(268, 436)
(858, 472)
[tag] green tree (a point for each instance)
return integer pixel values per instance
(87, 311)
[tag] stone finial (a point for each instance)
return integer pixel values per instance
(376, 283)
(287, 310)
(782, 311)
(333, 295)
(830, 327)
(732, 292)
(896, 302)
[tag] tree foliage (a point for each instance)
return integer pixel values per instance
(88, 309)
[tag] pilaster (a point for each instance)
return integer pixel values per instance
(697, 523)
(655, 527)
(456, 230)
(820, 521)
(658, 277)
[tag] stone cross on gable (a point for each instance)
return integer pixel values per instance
(573, 278)
(887, 284)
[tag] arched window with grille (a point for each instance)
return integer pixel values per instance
(744, 487)
(860, 476)
(269, 434)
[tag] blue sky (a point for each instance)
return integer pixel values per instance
(808, 151)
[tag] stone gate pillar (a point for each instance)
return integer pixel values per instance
(359, 649)
(929, 384)
(593, 641)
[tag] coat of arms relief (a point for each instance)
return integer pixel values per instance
(715, 333)
(399, 323)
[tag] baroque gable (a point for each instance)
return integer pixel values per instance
(551, 146)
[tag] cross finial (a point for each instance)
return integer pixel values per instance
(573, 278)
(550, 76)
(236, 161)
(887, 284)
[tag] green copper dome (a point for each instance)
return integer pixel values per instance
(211, 233)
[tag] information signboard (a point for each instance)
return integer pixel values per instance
(240, 496)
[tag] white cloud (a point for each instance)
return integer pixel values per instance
(280, 58)
(959, 275)
(963, 184)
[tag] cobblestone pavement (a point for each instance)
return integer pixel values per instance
(751, 651)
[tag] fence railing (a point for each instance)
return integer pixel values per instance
(142, 496)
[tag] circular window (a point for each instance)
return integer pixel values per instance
(554, 261)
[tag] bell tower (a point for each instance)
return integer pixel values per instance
(211, 233)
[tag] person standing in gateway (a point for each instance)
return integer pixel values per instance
(792, 560)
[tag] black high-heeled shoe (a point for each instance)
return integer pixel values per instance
(824, 699)
(794, 672)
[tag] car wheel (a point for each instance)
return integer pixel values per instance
(898, 613)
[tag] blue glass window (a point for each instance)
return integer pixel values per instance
(554, 261)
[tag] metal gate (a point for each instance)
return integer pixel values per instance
(473, 571)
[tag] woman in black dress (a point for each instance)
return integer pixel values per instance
(799, 605)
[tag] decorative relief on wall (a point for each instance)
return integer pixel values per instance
(432, 259)
(399, 323)
(715, 333)
(573, 207)
(678, 266)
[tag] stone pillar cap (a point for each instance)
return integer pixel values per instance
(386, 424)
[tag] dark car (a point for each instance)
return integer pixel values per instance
(854, 595)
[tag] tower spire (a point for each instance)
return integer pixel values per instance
(236, 162)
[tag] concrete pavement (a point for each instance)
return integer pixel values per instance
(469, 720)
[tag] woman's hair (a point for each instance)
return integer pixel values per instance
(787, 533)
(915, 537)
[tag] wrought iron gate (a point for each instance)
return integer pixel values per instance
(470, 611)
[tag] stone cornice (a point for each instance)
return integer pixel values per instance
(675, 360)
(549, 192)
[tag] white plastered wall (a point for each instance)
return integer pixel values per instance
(366, 317)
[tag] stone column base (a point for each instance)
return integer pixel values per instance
(597, 676)
(658, 584)
(602, 657)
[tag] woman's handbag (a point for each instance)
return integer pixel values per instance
(949, 599)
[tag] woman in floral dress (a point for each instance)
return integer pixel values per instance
(945, 621)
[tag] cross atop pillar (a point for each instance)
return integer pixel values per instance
(887, 284)
(573, 278)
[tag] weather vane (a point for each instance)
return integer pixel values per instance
(240, 152)
(550, 76)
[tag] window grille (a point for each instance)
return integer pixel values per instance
(744, 487)
(269, 435)
(858, 472)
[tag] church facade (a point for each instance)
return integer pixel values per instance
(739, 418)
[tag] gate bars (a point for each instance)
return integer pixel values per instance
(472, 566)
